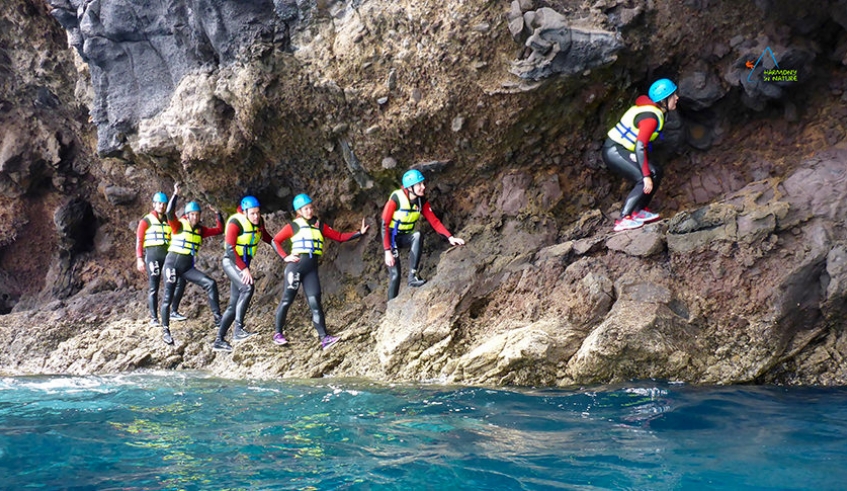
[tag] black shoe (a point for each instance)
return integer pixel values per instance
(240, 334)
(176, 316)
(416, 282)
(166, 336)
(221, 345)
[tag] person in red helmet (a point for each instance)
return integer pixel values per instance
(244, 231)
(626, 148)
(307, 235)
(399, 216)
(151, 246)
(187, 237)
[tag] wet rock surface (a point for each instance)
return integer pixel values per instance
(504, 108)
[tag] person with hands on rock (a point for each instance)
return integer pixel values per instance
(307, 235)
(399, 216)
(244, 230)
(151, 248)
(187, 237)
(625, 152)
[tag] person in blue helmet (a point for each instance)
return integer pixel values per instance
(399, 216)
(187, 237)
(151, 246)
(307, 235)
(244, 231)
(626, 149)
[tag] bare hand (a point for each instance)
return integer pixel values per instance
(455, 241)
(389, 259)
(364, 228)
(176, 189)
(291, 258)
(139, 265)
(648, 185)
(246, 276)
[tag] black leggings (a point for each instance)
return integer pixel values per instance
(182, 266)
(154, 259)
(624, 163)
(239, 299)
(304, 272)
(413, 242)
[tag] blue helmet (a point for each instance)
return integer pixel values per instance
(160, 198)
(191, 206)
(301, 200)
(661, 89)
(248, 202)
(412, 177)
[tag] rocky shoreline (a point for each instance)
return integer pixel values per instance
(504, 107)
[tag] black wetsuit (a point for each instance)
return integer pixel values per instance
(182, 266)
(624, 163)
(414, 241)
(154, 260)
(305, 273)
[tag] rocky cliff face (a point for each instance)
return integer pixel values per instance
(504, 107)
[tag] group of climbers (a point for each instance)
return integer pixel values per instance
(167, 244)
(170, 244)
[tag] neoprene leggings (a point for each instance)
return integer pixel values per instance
(413, 242)
(182, 266)
(154, 259)
(305, 273)
(623, 162)
(239, 299)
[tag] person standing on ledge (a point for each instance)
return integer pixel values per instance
(307, 235)
(151, 247)
(625, 152)
(187, 237)
(244, 230)
(399, 216)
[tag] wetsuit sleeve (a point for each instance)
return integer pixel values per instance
(387, 212)
(218, 229)
(337, 236)
(286, 233)
(646, 128)
(139, 237)
(266, 237)
(233, 230)
(170, 215)
(433, 220)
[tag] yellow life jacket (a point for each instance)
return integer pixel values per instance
(158, 233)
(406, 215)
(248, 240)
(187, 241)
(625, 133)
(308, 239)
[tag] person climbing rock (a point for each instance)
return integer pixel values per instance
(151, 247)
(187, 237)
(244, 230)
(626, 148)
(307, 235)
(399, 216)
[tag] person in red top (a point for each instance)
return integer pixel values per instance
(151, 247)
(244, 230)
(399, 216)
(187, 236)
(307, 235)
(625, 152)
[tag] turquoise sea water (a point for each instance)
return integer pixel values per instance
(189, 431)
